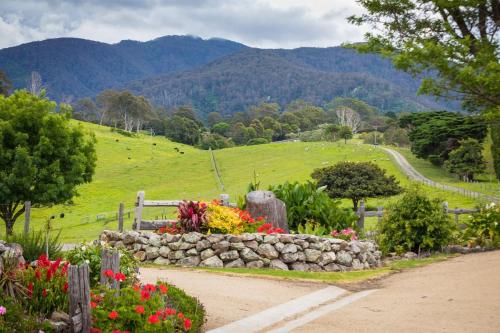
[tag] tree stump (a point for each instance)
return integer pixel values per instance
(265, 204)
(79, 298)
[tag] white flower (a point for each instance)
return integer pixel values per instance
(87, 261)
(83, 248)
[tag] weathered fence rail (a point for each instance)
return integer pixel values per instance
(141, 203)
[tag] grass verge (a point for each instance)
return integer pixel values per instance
(328, 277)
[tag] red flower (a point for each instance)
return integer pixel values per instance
(109, 273)
(153, 319)
(64, 270)
(44, 292)
(145, 295)
(30, 289)
(65, 287)
(38, 274)
(95, 330)
(93, 304)
(113, 315)
(170, 311)
(43, 261)
(136, 287)
(163, 288)
(149, 287)
(139, 309)
(48, 274)
(187, 324)
(180, 315)
(120, 277)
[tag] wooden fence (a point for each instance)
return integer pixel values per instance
(79, 290)
(379, 213)
(141, 203)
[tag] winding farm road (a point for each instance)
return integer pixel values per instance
(411, 172)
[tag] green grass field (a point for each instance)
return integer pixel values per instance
(129, 164)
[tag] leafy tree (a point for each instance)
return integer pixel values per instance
(434, 134)
(345, 133)
(213, 118)
(466, 160)
(43, 157)
(495, 147)
(215, 141)
(5, 84)
(239, 133)
(459, 40)
(185, 111)
(372, 137)
(221, 128)
(331, 132)
(183, 130)
(396, 136)
(356, 181)
(415, 223)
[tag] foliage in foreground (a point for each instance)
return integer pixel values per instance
(356, 181)
(33, 244)
(14, 319)
(149, 308)
(307, 203)
(415, 223)
(91, 254)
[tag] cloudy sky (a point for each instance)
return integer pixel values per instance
(259, 23)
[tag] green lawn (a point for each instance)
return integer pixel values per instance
(126, 165)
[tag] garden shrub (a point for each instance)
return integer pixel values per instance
(33, 244)
(415, 223)
(306, 202)
(14, 319)
(213, 218)
(91, 254)
(312, 228)
(224, 220)
(483, 227)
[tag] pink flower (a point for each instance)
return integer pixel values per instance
(3, 310)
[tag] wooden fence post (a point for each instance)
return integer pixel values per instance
(79, 298)
(27, 216)
(224, 199)
(139, 204)
(110, 260)
(361, 214)
(121, 208)
(379, 214)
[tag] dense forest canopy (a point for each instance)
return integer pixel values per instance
(213, 75)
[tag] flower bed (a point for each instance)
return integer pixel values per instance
(255, 250)
(34, 298)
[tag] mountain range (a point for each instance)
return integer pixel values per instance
(213, 74)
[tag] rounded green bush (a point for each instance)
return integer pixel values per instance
(415, 223)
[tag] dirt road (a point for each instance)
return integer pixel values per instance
(415, 175)
(458, 295)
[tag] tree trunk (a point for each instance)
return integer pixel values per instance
(9, 215)
(355, 204)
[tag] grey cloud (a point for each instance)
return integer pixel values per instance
(260, 23)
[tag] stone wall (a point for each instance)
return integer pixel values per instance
(277, 251)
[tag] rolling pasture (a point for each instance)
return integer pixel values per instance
(167, 170)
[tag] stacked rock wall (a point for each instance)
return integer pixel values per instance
(277, 251)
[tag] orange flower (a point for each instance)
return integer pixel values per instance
(163, 288)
